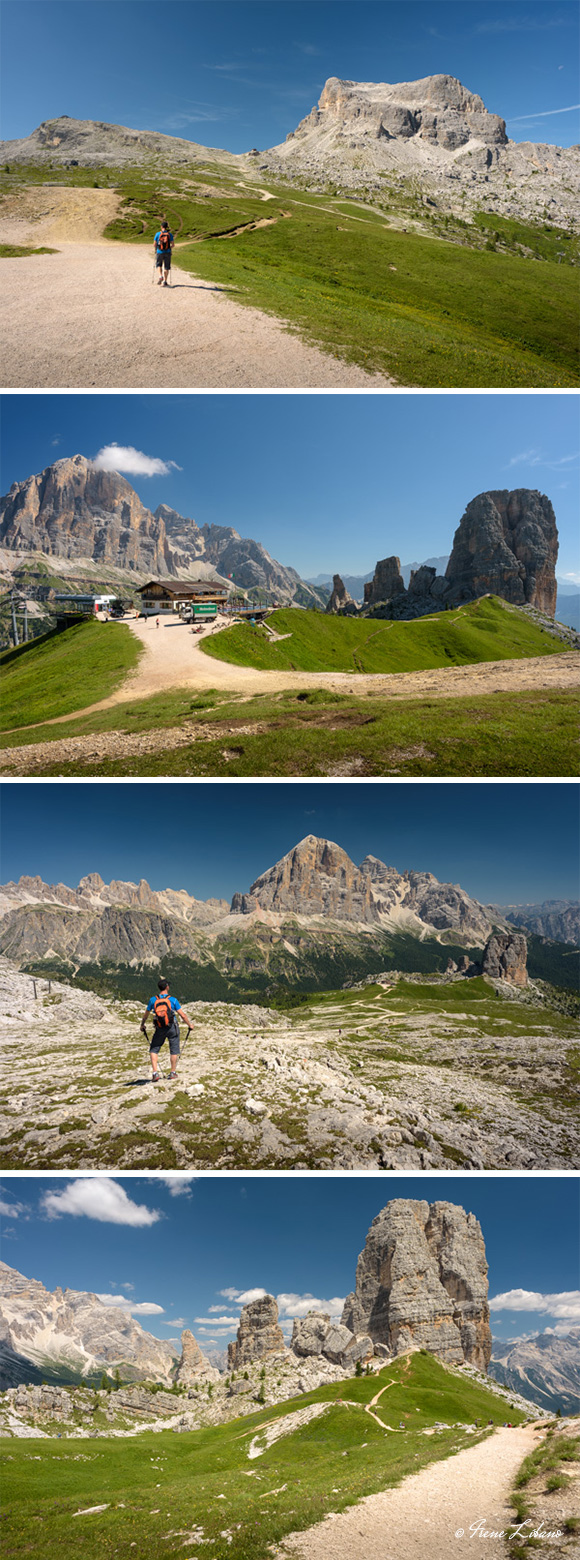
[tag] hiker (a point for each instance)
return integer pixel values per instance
(164, 1010)
(163, 243)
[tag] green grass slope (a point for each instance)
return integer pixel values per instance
(484, 630)
(165, 1494)
(428, 312)
(396, 285)
(64, 672)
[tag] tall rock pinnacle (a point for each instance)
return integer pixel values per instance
(422, 1281)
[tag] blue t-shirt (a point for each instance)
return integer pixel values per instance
(161, 251)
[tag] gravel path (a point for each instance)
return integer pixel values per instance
(90, 316)
(425, 1515)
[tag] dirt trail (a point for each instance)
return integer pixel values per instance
(173, 659)
(90, 316)
(431, 1513)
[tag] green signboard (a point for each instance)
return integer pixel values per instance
(204, 609)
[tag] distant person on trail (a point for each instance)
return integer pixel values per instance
(164, 1010)
(163, 243)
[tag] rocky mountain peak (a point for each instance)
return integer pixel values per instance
(507, 543)
(259, 1333)
(421, 1282)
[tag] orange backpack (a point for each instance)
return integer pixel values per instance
(162, 1012)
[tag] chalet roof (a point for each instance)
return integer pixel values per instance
(184, 588)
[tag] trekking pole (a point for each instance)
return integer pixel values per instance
(187, 1037)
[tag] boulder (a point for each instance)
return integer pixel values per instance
(309, 1333)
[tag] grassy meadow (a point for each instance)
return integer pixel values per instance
(164, 1493)
(387, 281)
(61, 672)
(484, 630)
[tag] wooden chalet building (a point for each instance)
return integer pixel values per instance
(159, 596)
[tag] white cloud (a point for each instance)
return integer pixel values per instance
(299, 1305)
(127, 1286)
(247, 1295)
(133, 1307)
(565, 1305)
(179, 1185)
(11, 1210)
(123, 457)
(176, 1321)
(573, 576)
(547, 113)
(101, 1199)
(217, 1321)
(228, 1294)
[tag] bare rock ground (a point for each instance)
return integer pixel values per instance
(90, 316)
(431, 1512)
(259, 1089)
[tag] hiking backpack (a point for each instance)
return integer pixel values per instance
(162, 1012)
(164, 241)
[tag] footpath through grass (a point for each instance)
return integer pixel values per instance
(166, 1494)
(448, 302)
(63, 672)
(484, 630)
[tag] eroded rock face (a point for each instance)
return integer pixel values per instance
(315, 878)
(41, 1328)
(386, 582)
(71, 510)
(193, 1363)
(505, 958)
(339, 600)
(506, 544)
(421, 1282)
(436, 109)
(259, 1333)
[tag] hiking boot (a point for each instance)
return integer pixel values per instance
(157, 1078)
(172, 1077)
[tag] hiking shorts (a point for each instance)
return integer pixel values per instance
(161, 1035)
(163, 258)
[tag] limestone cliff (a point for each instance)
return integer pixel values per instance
(421, 1281)
(259, 1333)
(72, 1333)
(193, 1365)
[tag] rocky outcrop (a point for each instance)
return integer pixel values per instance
(70, 1334)
(506, 544)
(193, 1365)
(387, 582)
(259, 1333)
(505, 958)
(315, 1335)
(339, 600)
(421, 1282)
(74, 510)
(435, 132)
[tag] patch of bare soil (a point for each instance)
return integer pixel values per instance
(43, 214)
(431, 1513)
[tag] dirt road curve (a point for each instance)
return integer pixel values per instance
(89, 315)
(427, 1513)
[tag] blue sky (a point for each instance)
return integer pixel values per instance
(492, 839)
(324, 482)
(243, 74)
(182, 1245)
